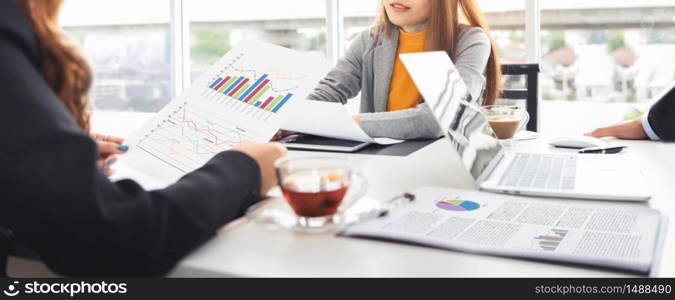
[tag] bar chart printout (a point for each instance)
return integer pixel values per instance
(245, 96)
(551, 241)
(258, 95)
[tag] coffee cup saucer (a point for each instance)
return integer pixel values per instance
(526, 135)
(275, 213)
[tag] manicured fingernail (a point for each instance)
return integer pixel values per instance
(123, 148)
(110, 163)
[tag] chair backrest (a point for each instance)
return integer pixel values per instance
(530, 94)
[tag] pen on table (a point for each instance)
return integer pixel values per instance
(388, 205)
(406, 196)
(602, 150)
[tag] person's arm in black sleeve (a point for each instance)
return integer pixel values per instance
(662, 117)
(55, 199)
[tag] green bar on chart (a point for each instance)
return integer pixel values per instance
(226, 85)
(255, 99)
(241, 91)
(274, 103)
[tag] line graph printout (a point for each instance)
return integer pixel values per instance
(245, 96)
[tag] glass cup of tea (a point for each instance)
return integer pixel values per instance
(506, 121)
(319, 188)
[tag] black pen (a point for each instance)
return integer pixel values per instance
(390, 203)
(602, 150)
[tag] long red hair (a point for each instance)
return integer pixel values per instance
(64, 68)
(442, 31)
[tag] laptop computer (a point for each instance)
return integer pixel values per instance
(585, 176)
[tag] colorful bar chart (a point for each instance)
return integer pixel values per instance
(551, 241)
(255, 92)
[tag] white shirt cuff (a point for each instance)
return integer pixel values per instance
(648, 128)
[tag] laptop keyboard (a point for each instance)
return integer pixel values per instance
(541, 171)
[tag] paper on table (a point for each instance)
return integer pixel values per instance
(478, 222)
(387, 141)
(331, 120)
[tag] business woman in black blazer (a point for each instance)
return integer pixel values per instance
(658, 124)
(57, 201)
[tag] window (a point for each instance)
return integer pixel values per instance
(507, 25)
(507, 22)
(604, 60)
(127, 43)
(358, 15)
(215, 27)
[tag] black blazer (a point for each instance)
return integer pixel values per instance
(55, 200)
(662, 117)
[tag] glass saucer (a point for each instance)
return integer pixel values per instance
(526, 135)
(275, 213)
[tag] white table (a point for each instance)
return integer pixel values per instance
(245, 249)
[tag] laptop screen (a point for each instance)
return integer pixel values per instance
(472, 137)
(443, 89)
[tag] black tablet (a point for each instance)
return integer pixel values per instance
(318, 143)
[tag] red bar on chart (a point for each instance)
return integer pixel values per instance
(250, 96)
(267, 102)
(222, 83)
(234, 91)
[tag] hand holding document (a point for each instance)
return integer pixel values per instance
(602, 235)
(245, 96)
(330, 120)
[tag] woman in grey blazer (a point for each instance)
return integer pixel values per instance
(367, 65)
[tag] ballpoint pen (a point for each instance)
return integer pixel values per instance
(603, 150)
(386, 207)
(390, 203)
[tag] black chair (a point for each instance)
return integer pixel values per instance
(530, 94)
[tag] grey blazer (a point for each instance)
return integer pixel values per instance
(367, 66)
